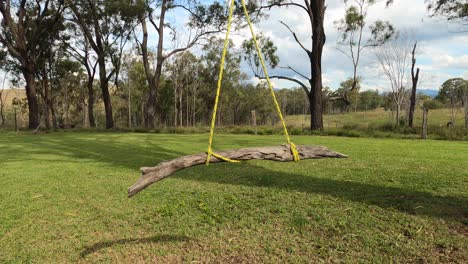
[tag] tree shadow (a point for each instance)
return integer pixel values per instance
(145, 240)
(130, 156)
(133, 156)
(454, 208)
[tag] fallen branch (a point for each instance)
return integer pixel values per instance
(165, 169)
(37, 129)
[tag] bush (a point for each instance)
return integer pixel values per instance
(432, 104)
(444, 133)
(386, 127)
(295, 131)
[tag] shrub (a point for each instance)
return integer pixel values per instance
(432, 104)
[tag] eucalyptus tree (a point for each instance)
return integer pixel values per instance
(454, 10)
(315, 13)
(354, 40)
(107, 26)
(394, 59)
(232, 78)
(80, 49)
(24, 26)
(183, 73)
(203, 21)
(453, 93)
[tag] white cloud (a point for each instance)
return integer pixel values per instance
(465, 75)
(451, 62)
(442, 54)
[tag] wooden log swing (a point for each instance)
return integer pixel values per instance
(287, 152)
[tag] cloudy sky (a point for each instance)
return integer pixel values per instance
(442, 53)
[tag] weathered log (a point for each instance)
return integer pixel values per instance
(164, 169)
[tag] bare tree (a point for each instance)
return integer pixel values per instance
(352, 41)
(204, 21)
(414, 87)
(394, 59)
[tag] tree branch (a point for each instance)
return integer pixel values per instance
(275, 153)
(309, 53)
(294, 70)
(306, 89)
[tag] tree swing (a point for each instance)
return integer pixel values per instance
(287, 152)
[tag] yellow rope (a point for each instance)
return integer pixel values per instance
(218, 91)
(278, 108)
(220, 79)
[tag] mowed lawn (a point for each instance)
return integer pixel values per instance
(63, 198)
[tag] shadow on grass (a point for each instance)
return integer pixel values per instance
(145, 240)
(106, 150)
(408, 201)
(133, 156)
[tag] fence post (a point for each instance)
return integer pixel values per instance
(254, 121)
(424, 124)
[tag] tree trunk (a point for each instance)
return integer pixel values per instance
(465, 105)
(129, 106)
(31, 94)
(46, 99)
(398, 110)
(16, 118)
(318, 41)
(187, 113)
(52, 112)
(153, 86)
(453, 110)
(176, 112)
(104, 83)
(194, 110)
(66, 102)
(181, 110)
(276, 153)
(92, 122)
(153, 78)
(414, 79)
(85, 113)
(2, 114)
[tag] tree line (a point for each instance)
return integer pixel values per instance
(72, 55)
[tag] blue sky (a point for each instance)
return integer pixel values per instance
(442, 54)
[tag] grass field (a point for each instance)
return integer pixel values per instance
(437, 117)
(63, 199)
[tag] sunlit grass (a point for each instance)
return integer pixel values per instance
(63, 199)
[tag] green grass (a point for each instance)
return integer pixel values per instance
(63, 199)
